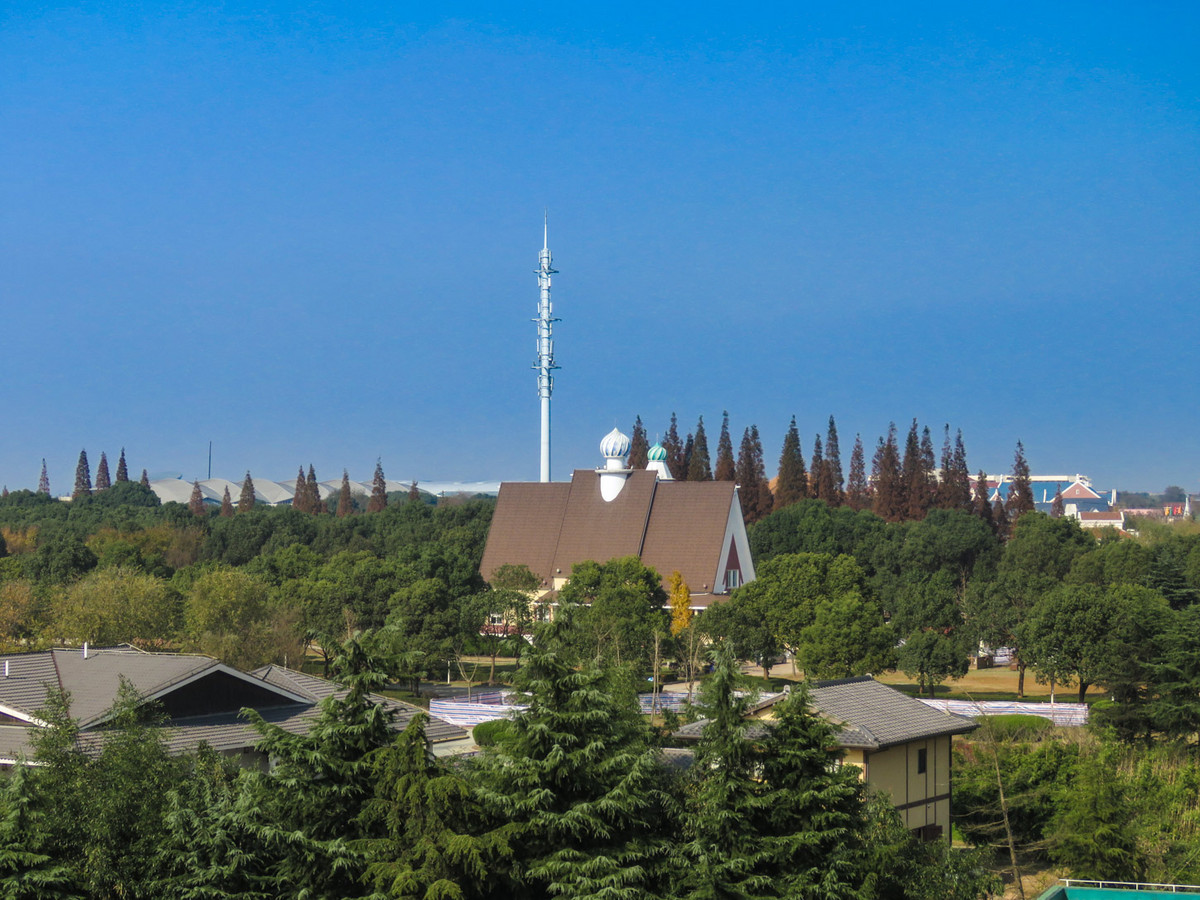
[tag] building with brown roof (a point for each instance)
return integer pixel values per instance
(200, 698)
(695, 528)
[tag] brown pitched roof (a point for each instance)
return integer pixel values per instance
(525, 527)
(686, 530)
(599, 530)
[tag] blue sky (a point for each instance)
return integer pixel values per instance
(308, 234)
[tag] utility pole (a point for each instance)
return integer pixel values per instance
(545, 345)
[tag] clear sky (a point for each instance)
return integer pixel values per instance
(308, 233)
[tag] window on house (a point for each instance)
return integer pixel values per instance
(733, 579)
(922, 760)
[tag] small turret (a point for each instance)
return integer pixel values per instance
(657, 462)
(614, 448)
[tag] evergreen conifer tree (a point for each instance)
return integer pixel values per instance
(833, 464)
(889, 501)
(639, 446)
(414, 495)
(750, 478)
(196, 502)
(345, 504)
(674, 447)
(226, 504)
(1020, 489)
(122, 469)
(300, 494)
(144, 481)
(820, 478)
(579, 784)
(765, 501)
(1000, 520)
(962, 473)
(378, 501)
(982, 506)
(954, 485)
(914, 476)
(103, 479)
(726, 469)
(689, 445)
(246, 498)
(44, 481)
(313, 499)
(699, 464)
(791, 485)
(83, 478)
(1056, 508)
(858, 491)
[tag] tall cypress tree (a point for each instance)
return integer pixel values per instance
(122, 469)
(819, 483)
(750, 477)
(144, 481)
(1020, 489)
(914, 476)
(103, 479)
(983, 506)
(246, 498)
(639, 446)
(726, 466)
(378, 501)
(300, 494)
(226, 504)
(962, 473)
(889, 501)
(791, 485)
(1000, 519)
(858, 490)
(766, 500)
(833, 463)
(674, 447)
(414, 495)
(313, 499)
(345, 504)
(83, 477)
(1057, 509)
(699, 465)
(44, 480)
(196, 502)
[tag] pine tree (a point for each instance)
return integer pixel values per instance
(914, 476)
(962, 473)
(819, 480)
(144, 481)
(726, 467)
(982, 506)
(313, 498)
(246, 499)
(1056, 508)
(674, 447)
(889, 500)
(765, 502)
(1000, 520)
(639, 445)
(1020, 489)
(858, 491)
(791, 485)
(226, 504)
(83, 478)
(196, 503)
(345, 504)
(688, 446)
(414, 495)
(103, 480)
(44, 481)
(378, 501)
(578, 784)
(753, 489)
(122, 469)
(300, 494)
(699, 465)
(954, 485)
(833, 464)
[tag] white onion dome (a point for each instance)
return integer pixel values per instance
(657, 453)
(615, 445)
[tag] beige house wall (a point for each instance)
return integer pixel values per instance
(922, 798)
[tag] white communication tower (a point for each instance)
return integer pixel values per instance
(545, 345)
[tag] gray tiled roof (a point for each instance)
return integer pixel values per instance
(865, 714)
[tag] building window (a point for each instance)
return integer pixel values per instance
(922, 760)
(733, 579)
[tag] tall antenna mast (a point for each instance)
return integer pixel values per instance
(545, 344)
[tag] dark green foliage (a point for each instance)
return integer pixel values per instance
(1020, 491)
(980, 504)
(145, 480)
(60, 557)
(31, 867)
(614, 609)
(699, 465)
(832, 484)
(378, 501)
(726, 467)
(916, 474)
(488, 734)
(819, 476)
(754, 490)
(122, 469)
(1089, 831)
(300, 493)
(812, 527)
(639, 446)
(312, 499)
(792, 484)
(931, 657)
(1174, 676)
(858, 492)
(889, 500)
(345, 505)
(83, 478)
(246, 499)
(674, 447)
(103, 479)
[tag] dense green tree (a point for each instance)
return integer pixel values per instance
(115, 606)
(1174, 678)
(313, 498)
(980, 504)
(246, 499)
(848, 637)
(699, 466)
(858, 491)
(1000, 518)
(145, 479)
(30, 868)
(83, 478)
(1090, 831)
(916, 473)
(931, 656)
(820, 477)
(1020, 490)
(791, 486)
(577, 785)
(754, 490)
(954, 484)
(639, 446)
(226, 504)
(60, 557)
(813, 527)
(726, 467)
(1056, 506)
(744, 622)
(674, 447)
(378, 501)
(345, 504)
(122, 469)
(300, 493)
(614, 609)
(833, 482)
